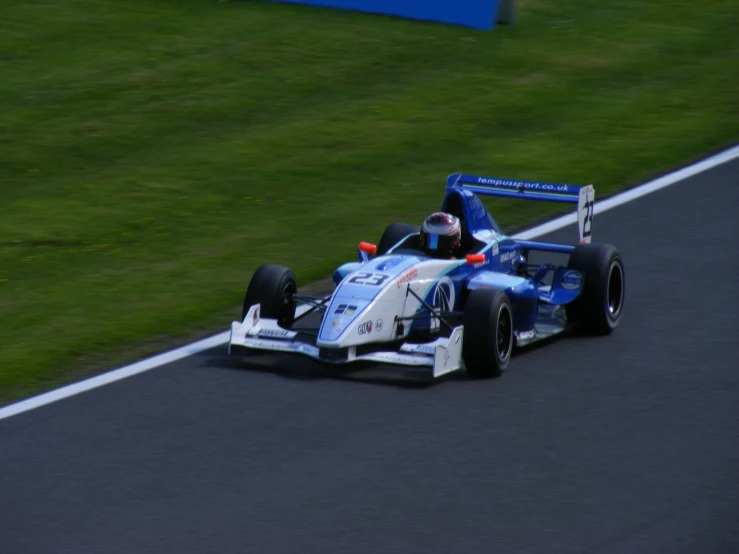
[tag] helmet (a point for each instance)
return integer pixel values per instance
(441, 234)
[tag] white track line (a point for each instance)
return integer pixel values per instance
(222, 338)
(121, 373)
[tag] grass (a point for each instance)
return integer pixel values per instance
(152, 154)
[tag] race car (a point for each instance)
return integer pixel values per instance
(402, 303)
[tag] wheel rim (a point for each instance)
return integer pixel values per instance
(504, 333)
(615, 296)
(286, 309)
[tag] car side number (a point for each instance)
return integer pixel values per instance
(371, 279)
(587, 222)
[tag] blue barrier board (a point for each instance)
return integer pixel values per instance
(480, 14)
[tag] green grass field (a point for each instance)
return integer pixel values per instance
(152, 154)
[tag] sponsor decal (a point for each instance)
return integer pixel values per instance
(524, 335)
(378, 325)
(525, 185)
(270, 345)
(495, 249)
(509, 256)
(273, 333)
(305, 348)
(255, 319)
(338, 324)
(384, 266)
(444, 295)
(426, 349)
(571, 280)
(407, 276)
(365, 328)
(345, 309)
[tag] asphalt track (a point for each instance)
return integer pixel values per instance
(628, 443)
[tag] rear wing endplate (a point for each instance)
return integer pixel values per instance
(583, 196)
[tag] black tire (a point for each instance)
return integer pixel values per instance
(599, 307)
(273, 287)
(488, 333)
(394, 234)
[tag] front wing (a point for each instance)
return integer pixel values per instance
(443, 355)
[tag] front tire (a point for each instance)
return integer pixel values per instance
(599, 307)
(488, 333)
(273, 287)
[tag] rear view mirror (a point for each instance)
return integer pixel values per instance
(473, 259)
(367, 247)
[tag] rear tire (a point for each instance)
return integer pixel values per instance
(488, 333)
(394, 234)
(598, 309)
(274, 287)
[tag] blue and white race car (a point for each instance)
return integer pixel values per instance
(401, 303)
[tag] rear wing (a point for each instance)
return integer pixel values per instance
(583, 196)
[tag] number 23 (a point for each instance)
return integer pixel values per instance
(371, 279)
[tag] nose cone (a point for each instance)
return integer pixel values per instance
(339, 317)
(377, 281)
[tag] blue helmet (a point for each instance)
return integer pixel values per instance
(441, 234)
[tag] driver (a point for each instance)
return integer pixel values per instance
(441, 235)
